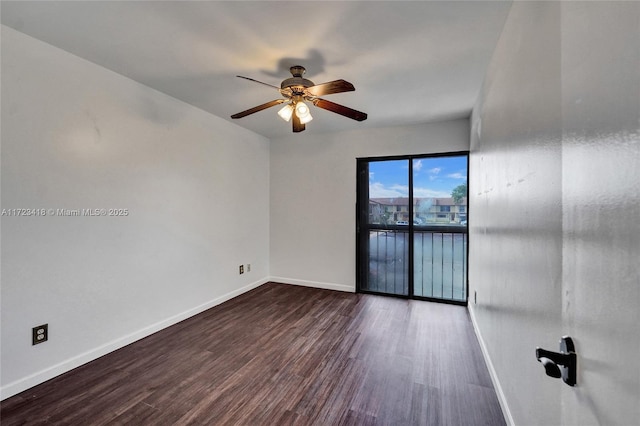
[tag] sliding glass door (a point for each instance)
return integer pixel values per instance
(412, 226)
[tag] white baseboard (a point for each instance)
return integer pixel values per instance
(51, 372)
(315, 284)
(492, 371)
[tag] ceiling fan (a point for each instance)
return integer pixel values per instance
(296, 90)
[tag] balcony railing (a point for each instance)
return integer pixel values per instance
(439, 262)
(388, 262)
(440, 265)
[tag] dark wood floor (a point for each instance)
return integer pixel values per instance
(280, 355)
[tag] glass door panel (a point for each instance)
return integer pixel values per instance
(439, 190)
(388, 227)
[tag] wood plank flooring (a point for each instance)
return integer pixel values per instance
(282, 355)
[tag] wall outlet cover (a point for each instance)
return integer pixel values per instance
(39, 334)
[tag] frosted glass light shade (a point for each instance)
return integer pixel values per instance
(302, 111)
(286, 112)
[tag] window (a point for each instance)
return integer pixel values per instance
(417, 246)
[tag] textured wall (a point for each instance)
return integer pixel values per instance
(601, 209)
(554, 206)
(515, 211)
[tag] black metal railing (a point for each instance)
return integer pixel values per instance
(440, 265)
(439, 262)
(389, 262)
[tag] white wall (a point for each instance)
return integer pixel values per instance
(515, 214)
(554, 207)
(75, 136)
(313, 195)
(601, 209)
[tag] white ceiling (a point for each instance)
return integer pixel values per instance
(410, 61)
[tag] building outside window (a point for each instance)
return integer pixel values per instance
(425, 210)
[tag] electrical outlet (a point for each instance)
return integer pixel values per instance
(248, 267)
(39, 334)
(241, 269)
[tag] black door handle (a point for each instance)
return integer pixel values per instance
(560, 364)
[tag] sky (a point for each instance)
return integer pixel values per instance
(433, 177)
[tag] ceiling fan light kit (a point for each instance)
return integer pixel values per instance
(296, 90)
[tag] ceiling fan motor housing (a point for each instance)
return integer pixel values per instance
(296, 83)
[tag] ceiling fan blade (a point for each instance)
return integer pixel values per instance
(258, 108)
(340, 109)
(297, 125)
(256, 81)
(337, 86)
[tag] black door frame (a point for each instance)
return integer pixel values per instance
(362, 225)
